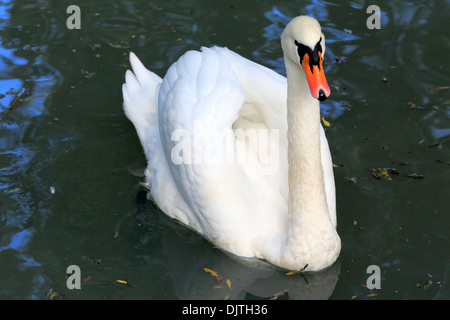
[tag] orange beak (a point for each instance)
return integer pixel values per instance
(316, 78)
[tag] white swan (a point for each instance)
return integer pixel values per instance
(188, 125)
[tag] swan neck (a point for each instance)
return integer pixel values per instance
(308, 209)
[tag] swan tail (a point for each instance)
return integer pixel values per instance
(140, 98)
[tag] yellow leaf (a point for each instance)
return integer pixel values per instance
(53, 295)
(116, 234)
(227, 297)
(122, 281)
(213, 273)
(383, 172)
(372, 295)
(290, 273)
(351, 179)
(325, 122)
(354, 297)
(228, 283)
(355, 222)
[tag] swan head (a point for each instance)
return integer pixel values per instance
(304, 44)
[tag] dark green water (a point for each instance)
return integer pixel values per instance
(70, 160)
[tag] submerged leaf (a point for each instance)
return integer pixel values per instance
(213, 273)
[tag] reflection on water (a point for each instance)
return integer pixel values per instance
(248, 279)
(67, 195)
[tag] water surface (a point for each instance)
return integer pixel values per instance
(70, 161)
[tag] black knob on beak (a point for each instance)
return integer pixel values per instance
(322, 96)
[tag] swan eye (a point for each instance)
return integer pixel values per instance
(314, 57)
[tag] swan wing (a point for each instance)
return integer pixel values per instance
(204, 97)
(140, 100)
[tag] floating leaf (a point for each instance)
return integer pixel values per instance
(340, 60)
(228, 283)
(14, 92)
(87, 74)
(52, 294)
(122, 281)
(87, 279)
(413, 106)
(384, 173)
(351, 179)
(95, 46)
(372, 294)
(116, 234)
(394, 171)
(277, 295)
(290, 273)
(90, 260)
(427, 284)
(325, 122)
(414, 176)
(431, 146)
(374, 174)
(227, 297)
(213, 273)
(13, 190)
(440, 88)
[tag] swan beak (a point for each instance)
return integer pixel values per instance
(316, 78)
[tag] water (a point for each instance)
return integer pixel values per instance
(70, 161)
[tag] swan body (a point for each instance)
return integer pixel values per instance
(280, 208)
